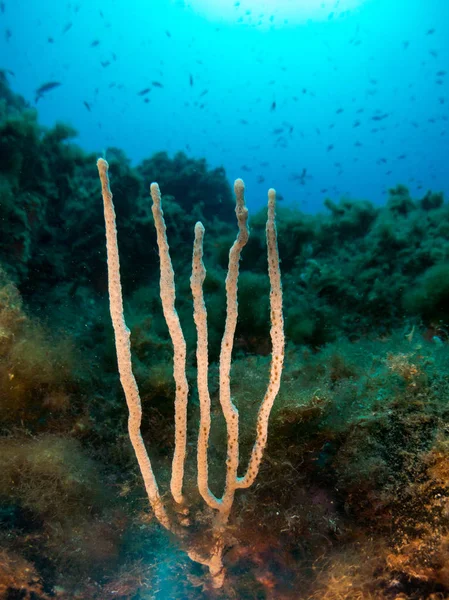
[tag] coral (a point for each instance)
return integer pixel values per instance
(352, 498)
(430, 296)
(35, 372)
(48, 476)
(19, 578)
(195, 188)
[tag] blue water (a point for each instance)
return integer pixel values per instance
(315, 98)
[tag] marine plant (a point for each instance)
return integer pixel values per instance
(213, 556)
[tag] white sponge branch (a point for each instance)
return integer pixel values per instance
(122, 341)
(123, 349)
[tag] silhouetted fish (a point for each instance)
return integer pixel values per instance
(46, 87)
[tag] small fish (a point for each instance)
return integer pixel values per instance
(46, 87)
(105, 63)
(2, 7)
(191, 80)
(94, 43)
(299, 176)
(50, 40)
(167, 33)
(430, 31)
(157, 84)
(144, 91)
(87, 105)
(67, 28)
(203, 93)
(8, 34)
(273, 106)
